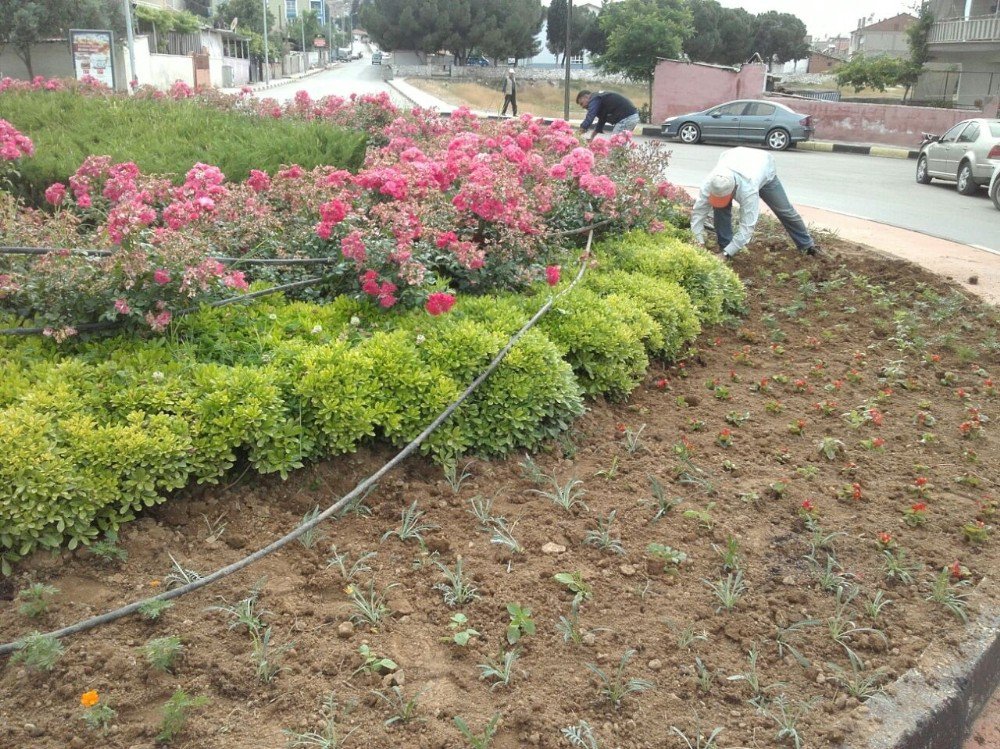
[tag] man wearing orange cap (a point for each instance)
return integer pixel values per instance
(747, 176)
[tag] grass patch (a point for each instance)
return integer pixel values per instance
(541, 98)
(164, 137)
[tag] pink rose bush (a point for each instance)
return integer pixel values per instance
(456, 202)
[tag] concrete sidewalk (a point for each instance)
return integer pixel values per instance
(275, 82)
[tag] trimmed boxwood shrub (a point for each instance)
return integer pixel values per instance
(165, 137)
(665, 301)
(714, 289)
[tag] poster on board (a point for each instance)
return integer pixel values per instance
(93, 55)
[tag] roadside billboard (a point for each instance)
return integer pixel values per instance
(93, 55)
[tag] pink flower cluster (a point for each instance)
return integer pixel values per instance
(13, 144)
(439, 303)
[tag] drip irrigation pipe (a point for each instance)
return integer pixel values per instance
(11, 250)
(92, 326)
(358, 491)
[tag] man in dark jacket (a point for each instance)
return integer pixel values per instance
(607, 108)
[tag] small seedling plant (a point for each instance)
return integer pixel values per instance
(521, 623)
(615, 688)
(411, 526)
(459, 623)
(567, 496)
(480, 740)
(154, 608)
(370, 606)
(601, 537)
(175, 714)
(660, 503)
(671, 558)
(96, 714)
(729, 590)
(35, 599)
(581, 735)
(267, 656)
(332, 737)
(162, 652)
(404, 709)
(457, 589)
(576, 585)
(372, 664)
(501, 670)
(107, 549)
(38, 651)
(347, 569)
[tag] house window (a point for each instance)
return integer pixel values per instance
(576, 59)
(291, 10)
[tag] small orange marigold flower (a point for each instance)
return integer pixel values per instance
(154, 583)
(89, 699)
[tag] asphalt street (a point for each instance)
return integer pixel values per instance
(877, 189)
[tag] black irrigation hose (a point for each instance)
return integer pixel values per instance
(220, 258)
(110, 616)
(10, 250)
(92, 326)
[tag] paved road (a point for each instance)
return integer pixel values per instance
(355, 77)
(878, 189)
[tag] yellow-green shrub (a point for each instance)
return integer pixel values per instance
(606, 353)
(666, 302)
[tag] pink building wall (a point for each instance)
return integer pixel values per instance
(889, 124)
(680, 87)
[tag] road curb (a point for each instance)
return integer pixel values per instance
(935, 704)
(888, 152)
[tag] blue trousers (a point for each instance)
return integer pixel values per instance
(773, 195)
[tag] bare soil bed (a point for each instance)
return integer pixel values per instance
(857, 385)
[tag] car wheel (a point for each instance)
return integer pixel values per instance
(689, 133)
(966, 185)
(922, 176)
(995, 194)
(778, 139)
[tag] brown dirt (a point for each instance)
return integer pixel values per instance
(832, 316)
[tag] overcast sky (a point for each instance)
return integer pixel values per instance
(825, 18)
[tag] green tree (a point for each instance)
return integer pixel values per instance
(871, 72)
(514, 28)
(780, 37)
(737, 29)
(26, 22)
(163, 22)
(555, 28)
(499, 28)
(917, 37)
(704, 44)
(639, 32)
(307, 26)
(250, 17)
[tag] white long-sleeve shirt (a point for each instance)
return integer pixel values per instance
(752, 169)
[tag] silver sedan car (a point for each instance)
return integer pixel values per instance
(966, 155)
(744, 121)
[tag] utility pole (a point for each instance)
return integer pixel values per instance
(569, 25)
(130, 35)
(267, 59)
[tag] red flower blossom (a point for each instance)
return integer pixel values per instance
(552, 275)
(439, 303)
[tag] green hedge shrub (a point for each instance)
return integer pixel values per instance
(164, 137)
(95, 431)
(665, 301)
(714, 289)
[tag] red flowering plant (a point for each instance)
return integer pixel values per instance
(456, 202)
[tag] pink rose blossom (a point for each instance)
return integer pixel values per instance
(161, 276)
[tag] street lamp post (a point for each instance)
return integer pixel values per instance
(267, 59)
(130, 35)
(569, 25)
